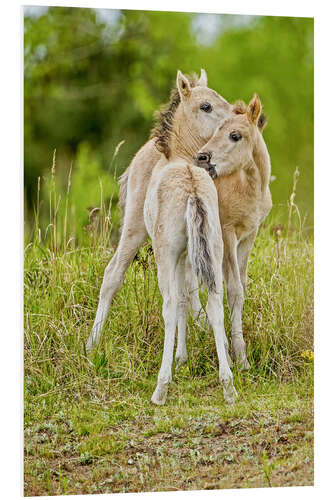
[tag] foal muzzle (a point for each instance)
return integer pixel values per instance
(203, 160)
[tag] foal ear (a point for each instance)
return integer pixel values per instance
(183, 85)
(254, 110)
(203, 80)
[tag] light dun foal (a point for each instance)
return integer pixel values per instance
(237, 157)
(182, 219)
(183, 127)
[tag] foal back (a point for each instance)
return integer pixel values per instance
(177, 192)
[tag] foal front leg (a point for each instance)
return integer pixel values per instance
(243, 252)
(235, 296)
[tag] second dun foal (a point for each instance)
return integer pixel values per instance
(237, 157)
(181, 216)
(183, 212)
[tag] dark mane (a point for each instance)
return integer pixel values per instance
(164, 118)
(239, 108)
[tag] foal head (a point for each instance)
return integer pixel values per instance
(203, 107)
(232, 145)
(191, 117)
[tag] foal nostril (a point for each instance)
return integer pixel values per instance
(204, 157)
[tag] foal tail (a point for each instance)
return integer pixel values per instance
(200, 237)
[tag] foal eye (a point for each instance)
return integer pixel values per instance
(205, 106)
(235, 136)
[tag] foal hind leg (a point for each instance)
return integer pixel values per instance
(192, 286)
(198, 312)
(183, 305)
(166, 279)
(216, 318)
(132, 237)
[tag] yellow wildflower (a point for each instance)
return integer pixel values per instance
(308, 355)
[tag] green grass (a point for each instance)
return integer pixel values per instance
(89, 423)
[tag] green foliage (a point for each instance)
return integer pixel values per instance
(80, 206)
(274, 57)
(94, 187)
(95, 82)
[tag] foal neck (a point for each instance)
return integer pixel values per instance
(185, 141)
(262, 160)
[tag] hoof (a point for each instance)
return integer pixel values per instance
(91, 342)
(160, 395)
(158, 402)
(244, 364)
(239, 352)
(89, 346)
(229, 392)
(180, 361)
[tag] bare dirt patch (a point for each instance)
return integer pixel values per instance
(259, 451)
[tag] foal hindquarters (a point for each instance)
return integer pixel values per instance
(181, 216)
